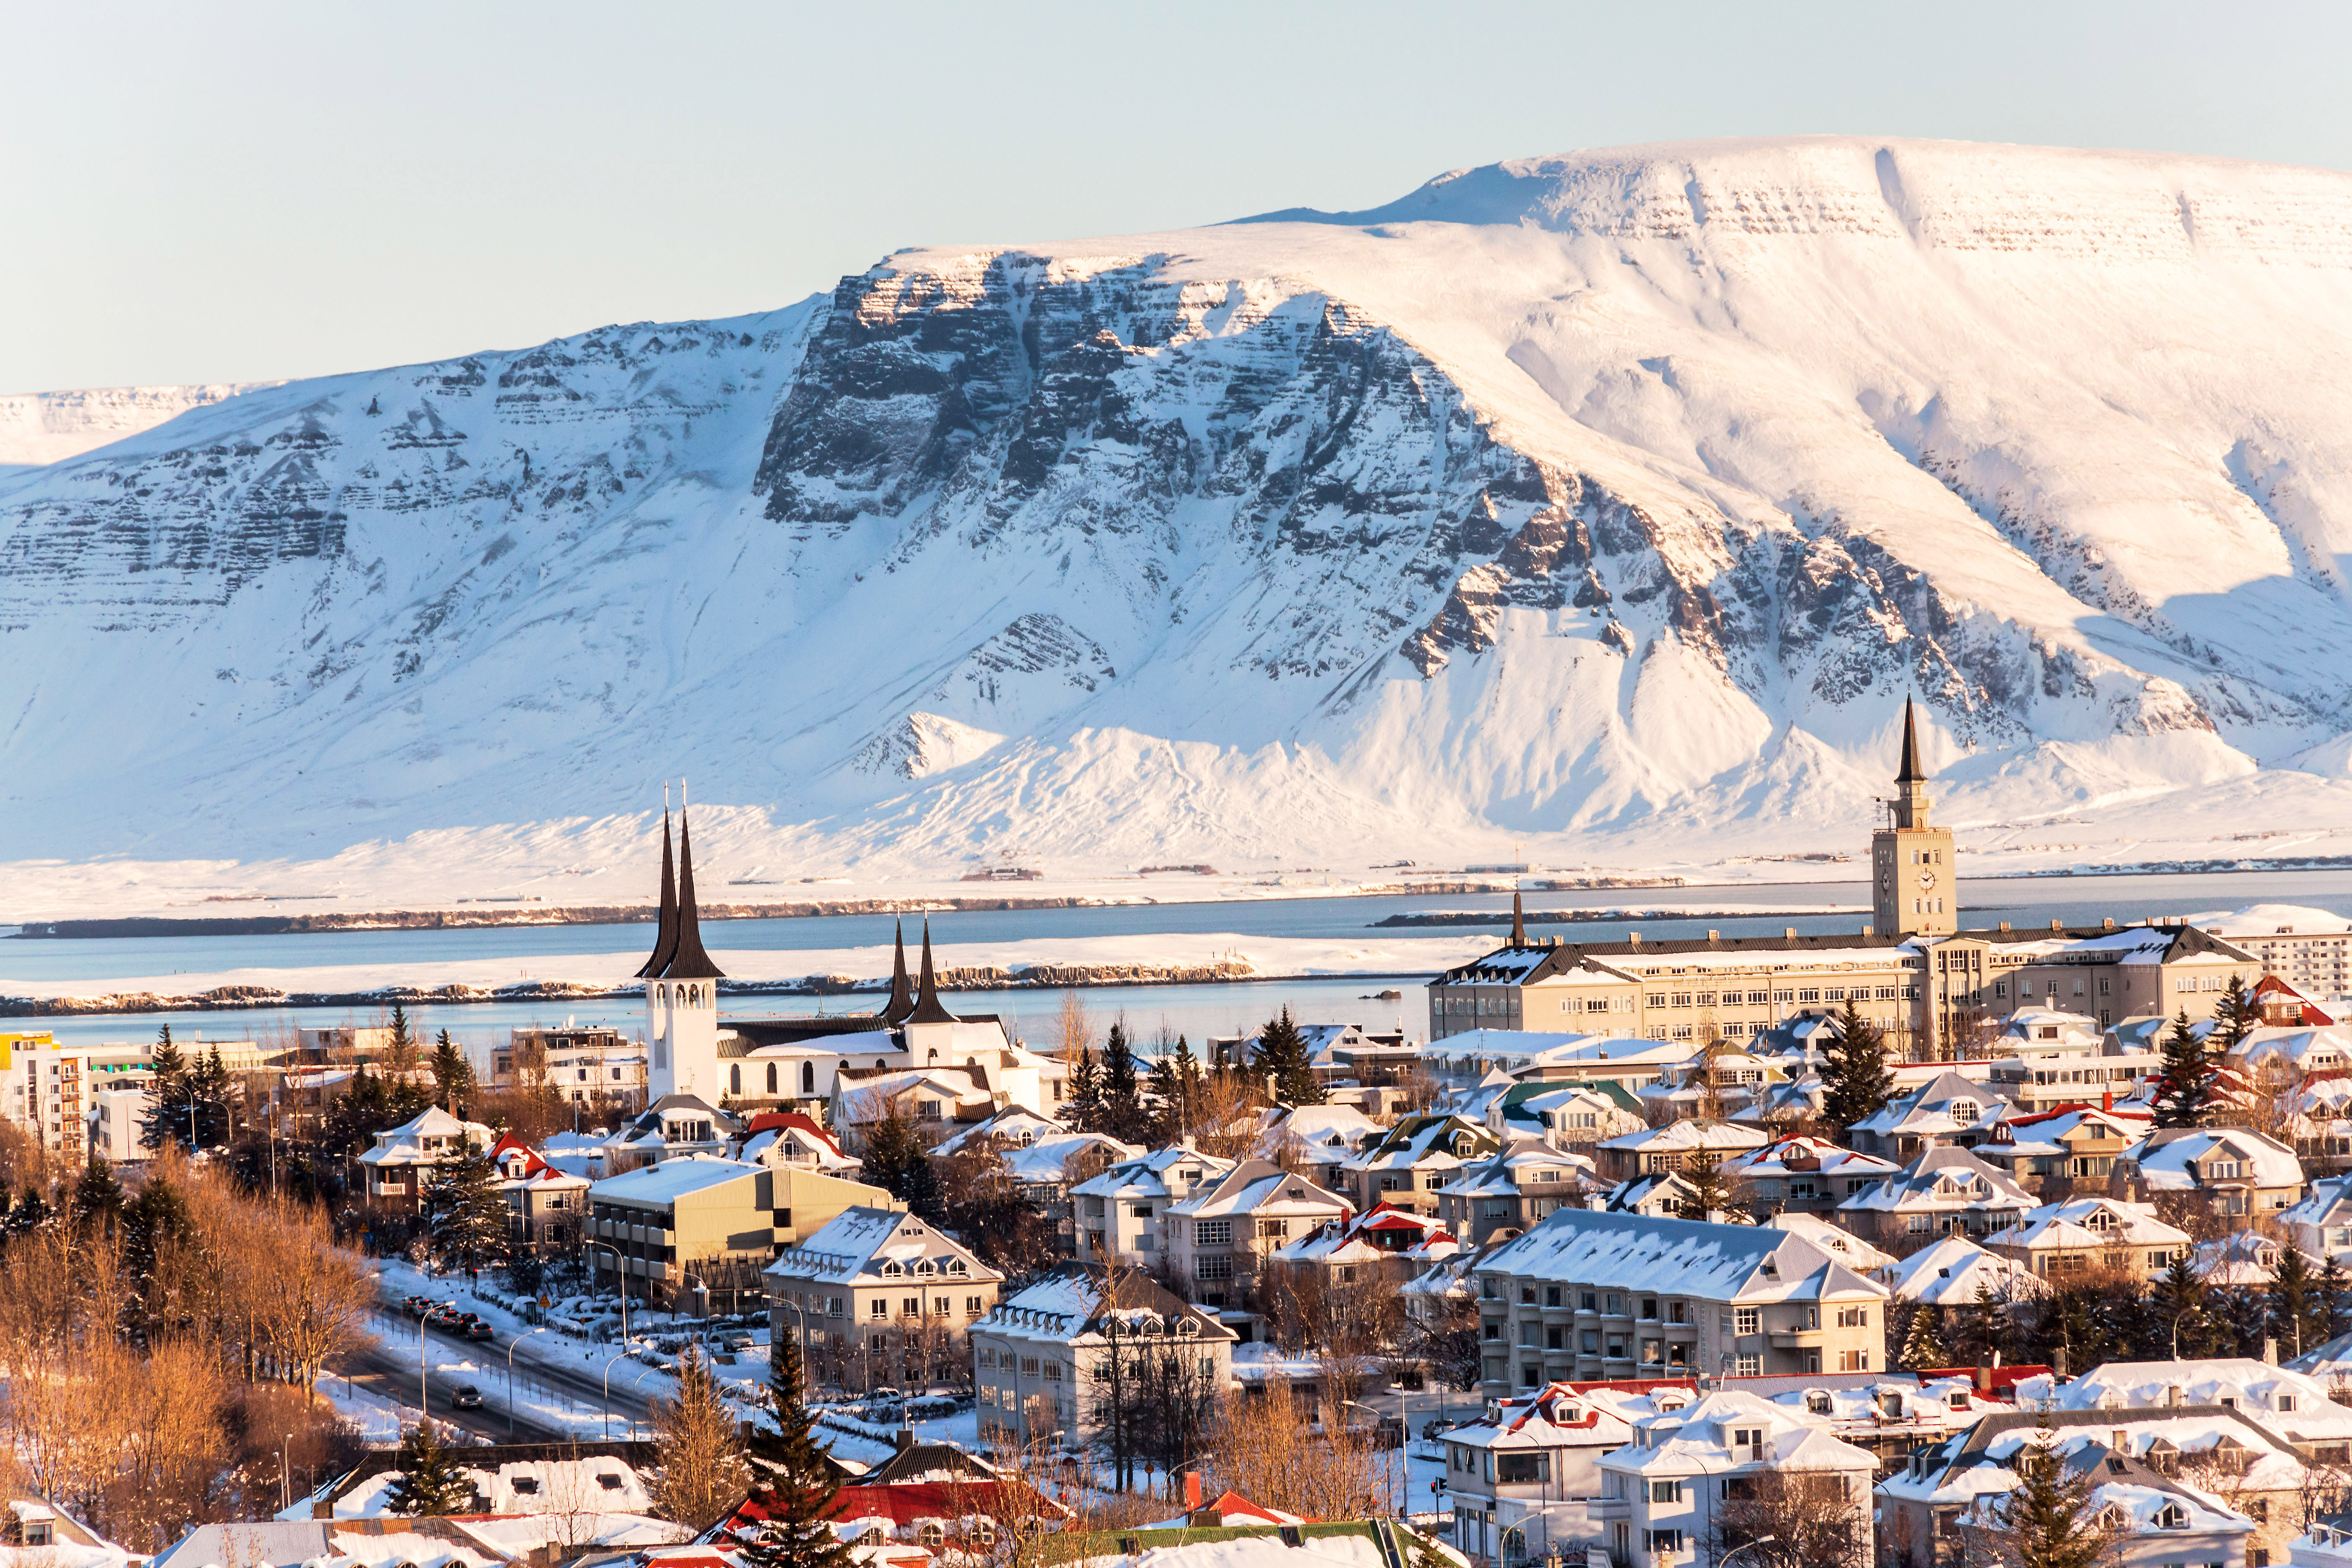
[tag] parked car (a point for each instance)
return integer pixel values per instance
(739, 1341)
(1434, 1426)
(466, 1396)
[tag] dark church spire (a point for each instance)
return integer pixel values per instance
(687, 960)
(1910, 771)
(665, 932)
(927, 997)
(1519, 921)
(902, 991)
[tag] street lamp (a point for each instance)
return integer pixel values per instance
(1725, 1561)
(620, 1280)
(632, 1384)
(510, 1350)
(286, 1472)
(608, 1394)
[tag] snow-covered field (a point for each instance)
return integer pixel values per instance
(1588, 510)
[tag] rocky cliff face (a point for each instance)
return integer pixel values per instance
(1620, 495)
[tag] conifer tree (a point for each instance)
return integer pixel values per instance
(1712, 1193)
(798, 1489)
(209, 1089)
(2178, 1311)
(702, 1470)
(467, 1213)
(2184, 1082)
(166, 1118)
(2046, 1518)
(98, 1198)
(1084, 1107)
(2335, 1295)
(2234, 1017)
(1982, 1325)
(1283, 1060)
(897, 1161)
(430, 1482)
(453, 1074)
(1122, 1101)
(1856, 1081)
(2293, 1301)
(1923, 1342)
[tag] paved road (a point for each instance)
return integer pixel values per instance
(390, 1370)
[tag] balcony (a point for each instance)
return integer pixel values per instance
(1797, 1339)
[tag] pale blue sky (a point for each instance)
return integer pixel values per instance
(236, 192)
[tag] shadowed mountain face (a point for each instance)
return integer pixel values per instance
(1619, 497)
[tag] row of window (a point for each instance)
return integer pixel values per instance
(1779, 998)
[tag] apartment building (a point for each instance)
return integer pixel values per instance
(1586, 1296)
(1683, 1469)
(1405, 1167)
(1511, 1189)
(2072, 1144)
(1120, 1215)
(2309, 949)
(878, 1295)
(1217, 1236)
(580, 1064)
(49, 1091)
(2238, 1172)
(665, 1229)
(1677, 1146)
(2055, 1240)
(1801, 1176)
(1042, 1359)
(545, 1206)
(1945, 1191)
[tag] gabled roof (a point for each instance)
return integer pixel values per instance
(1082, 1303)
(1676, 1256)
(1256, 1185)
(861, 1244)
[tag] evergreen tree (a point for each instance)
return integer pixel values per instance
(157, 1217)
(797, 1489)
(2335, 1296)
(453, 1075)
(467, 1213)
(2178, 1322)
(166, 1120)
(2236, 1017)
(2295, 1309)
(98, 1198)
(1712, 1193)
(1167, 1116)
(31, 1213)
(430, 1482)
(2046, 1518)
(897, 1161)
(1983, 1327)
(702, 1472)
(1122, 1102)
(1856, 1081)
(1923, 1342)
(1084, 1109)
(2184, 1082)
(1284, 1062)
(210, 1089)
(402, 1049)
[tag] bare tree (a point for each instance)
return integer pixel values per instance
(1268, 1451)
(702, 1470)
(1813, 1518)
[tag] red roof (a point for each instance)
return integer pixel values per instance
(2004, 1380)
(779, 1121)
(511, 1144)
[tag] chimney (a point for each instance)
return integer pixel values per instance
(1984, 1376)
(2004, 925)
(1192, 1491)
(2108, 923)
(1790, 932)
(2058, 1363)
(906, 1438)
(1634, 937)
(2057, 925)
(1715, 936)
(2269, 1350)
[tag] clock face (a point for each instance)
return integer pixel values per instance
(1927, 880)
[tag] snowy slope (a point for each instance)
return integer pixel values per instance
(37, 427)
(1609, 503)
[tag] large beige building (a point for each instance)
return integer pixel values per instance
(668, 1226)
(1936, 992)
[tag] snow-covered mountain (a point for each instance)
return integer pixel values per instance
(41, 427)
(1609, 502)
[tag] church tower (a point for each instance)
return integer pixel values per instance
(1913, 884)
(681, 985)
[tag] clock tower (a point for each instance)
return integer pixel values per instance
(1913, 888)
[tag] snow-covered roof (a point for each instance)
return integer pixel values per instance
(1857, 1253)
(1785, 1156)
(1380, 1232)
(2086, 1224)
(1256, 1187)
(2173, 1159)
(1690, 1134)
(2259, 921)
(1157, 1174)
(2296, 1400)
(1676, 1256)
(1698, 1440)
(670, 1180)
(869, 1245)
(1947, 1273)
(1942, 1180)
(1072, 1303)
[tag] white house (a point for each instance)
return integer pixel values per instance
(1684, 1467)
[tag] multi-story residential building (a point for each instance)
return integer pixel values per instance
(2054, 1150)
(2322, 1223)
(1677, 1146)
(1407, 1164)
(1686, 1471)
(1217, 1234)
(404, 1159)
(879, 1297)
(2302, 1401)
(697, 1219)
(1943, 1506)
(2055, 1240)
(1043, 1359)
(581, 1064)
(1946, 1108)
(1468, 1057)
(1949, 1273)
(1571, 1116)
(118, 1122)
(1045, 1173)
(790, 1138)
(1586, 1296)
(1385, 1242)
(546, 1208)
(343, 1043)
(1525, 1478)
(1316, 1140)
(1720, 1083)
(2309, 949)
(48, 1091)
(673, 1125)
(1511, 1189)
(1945, 1191)
(1801, 1176)
(2237, 1171)
(1120, 1214)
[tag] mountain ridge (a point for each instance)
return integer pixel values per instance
(1620, 518)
